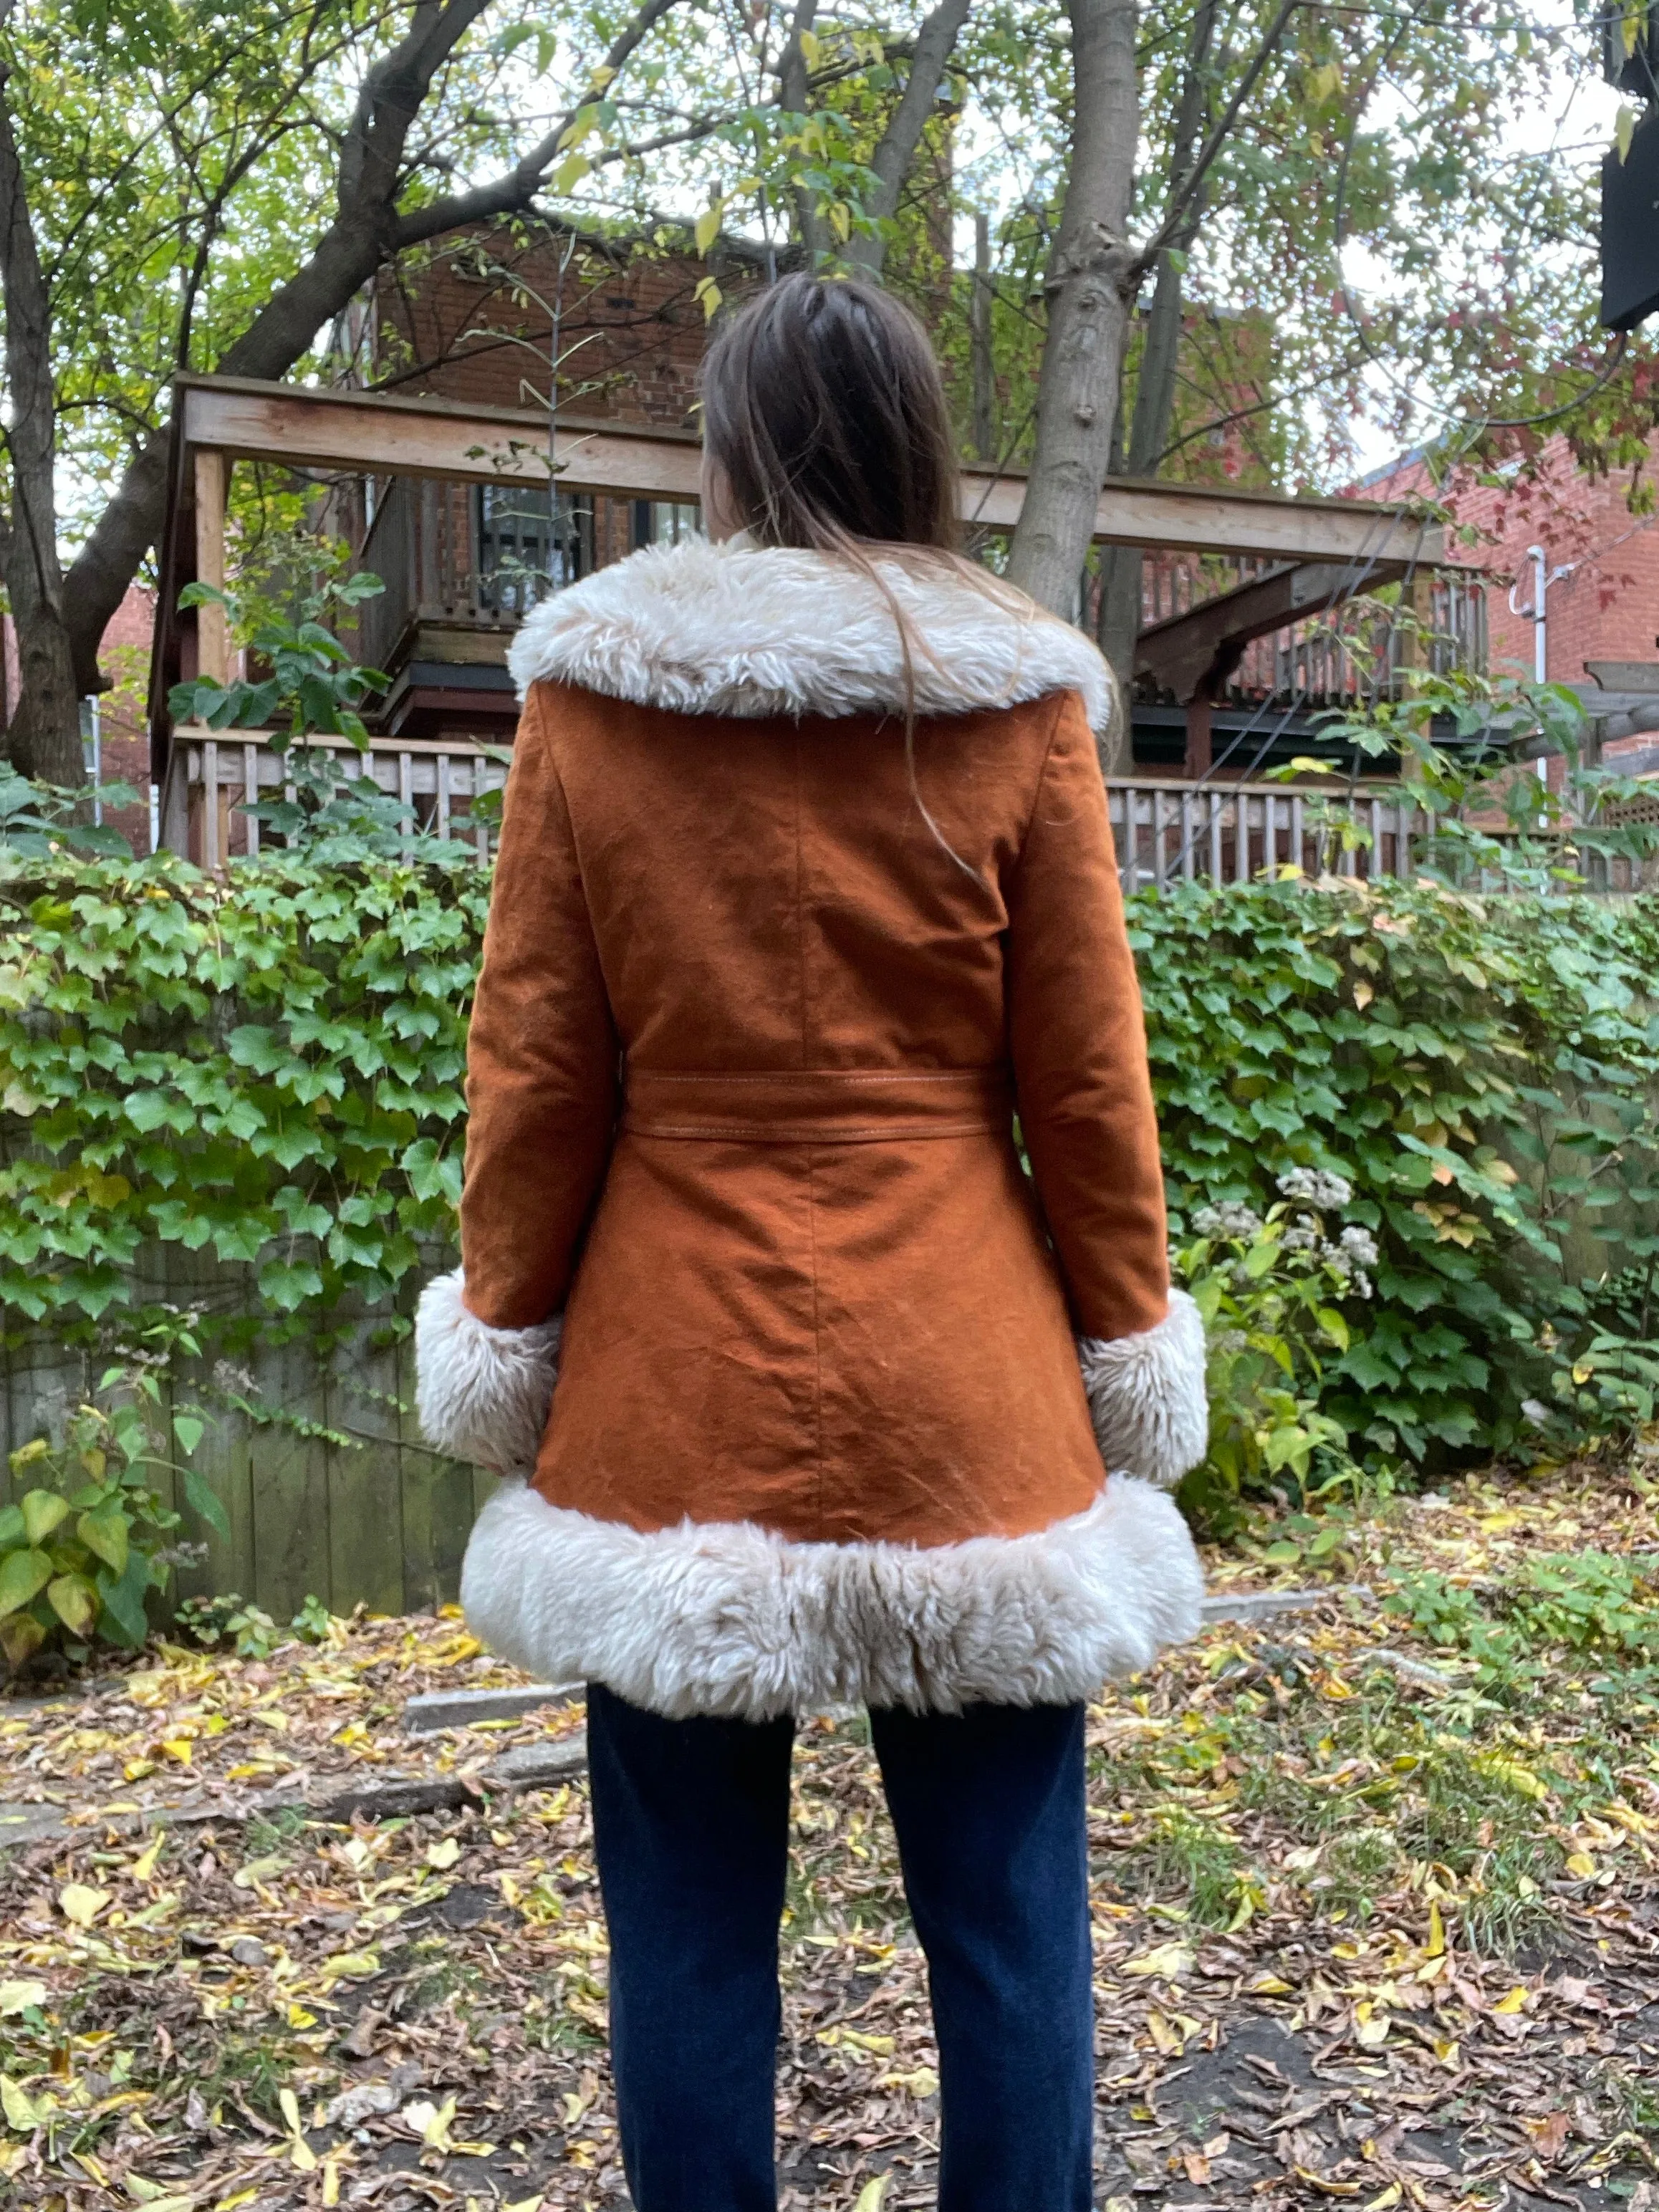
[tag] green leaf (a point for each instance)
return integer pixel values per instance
(189, 1431)
(74, 1600)
(105, 1535)
(205, 1502)
(1334, 1326)
(42, 1511)
(23, 1575)
(124, 1619)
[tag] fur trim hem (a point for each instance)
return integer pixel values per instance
(482, 1393)
(1152, 1412)
(731, 1619)
(752, 631)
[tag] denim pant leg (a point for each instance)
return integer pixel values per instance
(989, 1806)
(690, 1830)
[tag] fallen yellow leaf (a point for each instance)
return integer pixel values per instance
(1582, 1864)
(178, 1747)
(80, 1905)
(1437, 1944)
(1515, 2001)
(1171, 1960)
(443, 1854)
(144, 1865)
(22, 2115)
(19, 1996)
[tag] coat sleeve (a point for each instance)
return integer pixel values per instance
(1077, 1041)
(541, 1094)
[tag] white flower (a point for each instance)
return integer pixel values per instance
(1231, 1219)
(1315, 1187)
(1360, 1245)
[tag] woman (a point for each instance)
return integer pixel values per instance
(805, 888)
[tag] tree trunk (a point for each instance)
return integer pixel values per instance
(1091, 284)
(1155, 387)
(979, 327)
(45, 738)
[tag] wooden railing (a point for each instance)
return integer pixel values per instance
(220, 772)
(1168, 833)
(1229, 832)
(1165, 832)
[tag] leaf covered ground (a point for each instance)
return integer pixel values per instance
(1377, 1899)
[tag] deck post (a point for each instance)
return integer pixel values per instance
(212, 631)
(1198, 710)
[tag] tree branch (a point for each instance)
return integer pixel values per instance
(508, 194)
(1188, 186)
(891, 159)
(812, 230)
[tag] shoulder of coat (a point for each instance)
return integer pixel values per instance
(753, 631)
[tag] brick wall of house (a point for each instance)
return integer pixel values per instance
(632, 329)
(1606, 608)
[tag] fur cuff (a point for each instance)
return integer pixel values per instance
(1146, 1393)
(729, 1618)
(482, 1393)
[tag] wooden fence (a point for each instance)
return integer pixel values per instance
(318, 1461)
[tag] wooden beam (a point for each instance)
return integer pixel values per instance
(359, 432)
(1192, 654)
(212, 633)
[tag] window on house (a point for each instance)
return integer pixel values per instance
(530, 541)
(665, 521)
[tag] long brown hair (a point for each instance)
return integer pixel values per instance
(824, 408)
(824, 412)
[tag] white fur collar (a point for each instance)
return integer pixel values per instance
(751, 630)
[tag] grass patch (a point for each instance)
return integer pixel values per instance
(1195, 1862)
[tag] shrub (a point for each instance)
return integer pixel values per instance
(266, 1069)
(1480, 1071)
(1271, 1288)
(91, 1535)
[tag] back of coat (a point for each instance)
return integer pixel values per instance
(806, 1384)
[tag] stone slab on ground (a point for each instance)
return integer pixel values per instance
(452, 1708)
(1262, 1605)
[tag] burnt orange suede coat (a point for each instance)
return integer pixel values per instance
(742, 1184)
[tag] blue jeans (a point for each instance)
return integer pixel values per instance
(690, 1824)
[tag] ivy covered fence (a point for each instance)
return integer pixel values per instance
(231, 1121)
